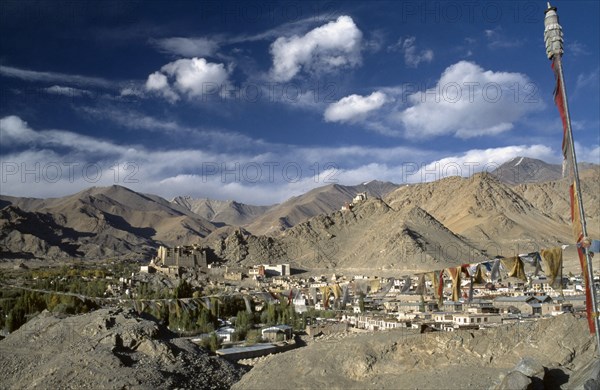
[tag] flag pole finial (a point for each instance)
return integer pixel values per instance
(553, 35)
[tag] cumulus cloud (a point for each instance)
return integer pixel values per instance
(469, 101)
(412, 57)
(191, 77)
(157, 82)
(334, 45)
(14, 131)
(187, 47)
(354, 107)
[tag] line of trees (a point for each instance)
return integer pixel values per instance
(17, 307)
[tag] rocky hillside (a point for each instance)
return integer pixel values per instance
(371, 236)
(521, 170)
(527, 170)
(491, 215)
(107, 349)
(222, 212)
(549, 353)
(553, 198)
(448, 221)
(97, 222)
(320, 200)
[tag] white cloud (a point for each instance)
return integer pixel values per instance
(67, 91)
(14, 131)
(480, 160)
(354, 107)
(590, 154)
(187, 47)
(250, 174)
(576, 48)
(192, 77)
(469, 101)
(133, 119)
(334, 45)
(412, 57)
(497, 39)
(587, 80)
(157, 82)
(53, 77)
(294, 27)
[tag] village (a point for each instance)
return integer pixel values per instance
(342, 304)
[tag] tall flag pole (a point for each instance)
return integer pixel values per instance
(553, 38)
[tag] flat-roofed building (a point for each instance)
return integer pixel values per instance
(192, 256)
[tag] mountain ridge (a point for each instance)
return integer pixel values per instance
(480, 213)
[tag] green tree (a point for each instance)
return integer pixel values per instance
(16, 318)
(361, 302)
(214, 342)
(272, 314)
(205, 322)
(183, 290)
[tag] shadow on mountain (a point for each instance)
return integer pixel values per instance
(16, 255)
(44, 228)
(120, 223)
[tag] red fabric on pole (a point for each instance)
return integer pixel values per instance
(558, 100)
(569, 169)
(588, 292)
(441, 285)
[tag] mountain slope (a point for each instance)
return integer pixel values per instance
(491, 215)
(371, 236)
(317, 201)
(553, 198)
(101, 221)
(521, 170)
(222, 211)
(527, 170)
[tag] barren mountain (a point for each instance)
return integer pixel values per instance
(553, 198)
(97, 222)
(490, 214)
(317, 201)
(522, 170)
(527, 170)
(226, 212)
(415, 225)
(370, 236)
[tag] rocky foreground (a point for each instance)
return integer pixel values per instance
(547, 354)
(107, 349)
(118, 349)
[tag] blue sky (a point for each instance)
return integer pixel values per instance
(262, 101)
